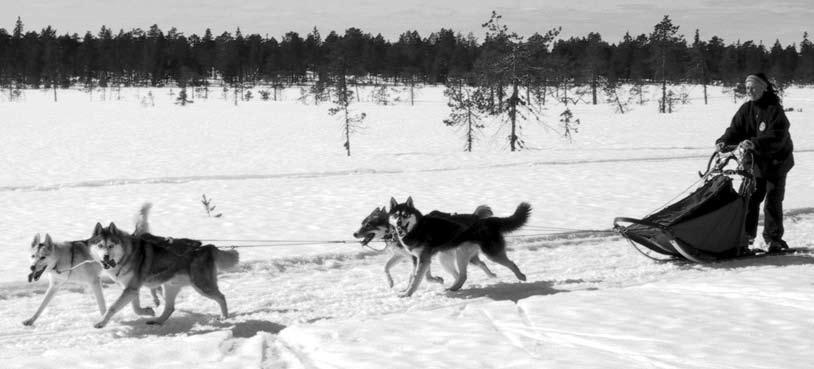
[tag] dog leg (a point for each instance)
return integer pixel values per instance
(204, 279)
(154, 292)
(423, 263)
(170, 292)
(53, 287)
(463, 255)
(127, 295)
(431, 278)
(136, 305)
(477, 261)
(447, 259)
(412, 274)
(393, 260)
(502, 259)
(96, 287)
(220, 299)
(211, 291)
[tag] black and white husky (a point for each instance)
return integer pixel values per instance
(425, 235)
(376, 226)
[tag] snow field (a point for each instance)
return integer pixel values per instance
(277, 171)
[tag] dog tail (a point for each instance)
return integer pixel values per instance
(483, 211)
(226, 259)
(513, 222)
(142, 224)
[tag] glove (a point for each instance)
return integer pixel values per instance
(719, 146)
(746, 145)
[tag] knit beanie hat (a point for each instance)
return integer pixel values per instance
(758, 78)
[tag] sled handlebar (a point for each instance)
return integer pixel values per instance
(719, 159)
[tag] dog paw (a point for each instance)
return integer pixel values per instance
(405, 293)
(28, 322)
(100, 325)
(522, 277)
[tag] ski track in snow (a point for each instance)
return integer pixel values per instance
(187, 179)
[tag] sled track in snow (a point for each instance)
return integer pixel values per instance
(240, 177)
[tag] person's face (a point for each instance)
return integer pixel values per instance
(754, 90)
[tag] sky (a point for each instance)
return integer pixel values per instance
(731, 20)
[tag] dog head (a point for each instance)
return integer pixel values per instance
(108, 245)
(42, 257)
(374, 226)
(403, 216)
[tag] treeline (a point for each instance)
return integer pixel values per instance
(154, 57)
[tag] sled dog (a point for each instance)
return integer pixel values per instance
(71, 261)
(151, 261)
(425, 235)
(376, 226)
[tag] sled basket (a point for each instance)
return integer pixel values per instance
(707, 225)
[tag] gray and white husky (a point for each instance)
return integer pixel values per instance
(151, 261)
(376, 226)
(71, 262)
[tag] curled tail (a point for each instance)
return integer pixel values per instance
(225, 259)
(142, 224)
(513, 222)
(483, 211)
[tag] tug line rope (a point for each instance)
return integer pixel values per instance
(538, 232)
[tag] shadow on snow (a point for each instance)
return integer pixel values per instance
(507, 291)
(190, 324)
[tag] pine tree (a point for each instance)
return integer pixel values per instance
(805, 66)
(699, 71)
(465, 105)
(351, 121)
(664, 41)
(182, 98)
(508, 64)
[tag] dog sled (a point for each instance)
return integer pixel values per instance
(707, 225)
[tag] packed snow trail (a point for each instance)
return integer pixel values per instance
(267, 296)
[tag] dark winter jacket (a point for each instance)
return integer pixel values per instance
(765, 124)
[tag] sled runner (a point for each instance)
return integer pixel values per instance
(707, 225)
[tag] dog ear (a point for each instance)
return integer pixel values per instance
(112, 228)
(410, 201)
(36, 240)
(48, 242)
(98, 229)
(393, 203)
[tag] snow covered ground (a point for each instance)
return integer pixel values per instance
(277, 171)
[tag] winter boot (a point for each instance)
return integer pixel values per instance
(777, 246)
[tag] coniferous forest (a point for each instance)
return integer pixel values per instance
(156, 57)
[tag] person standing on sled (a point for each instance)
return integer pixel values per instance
(761, 125)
